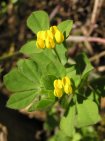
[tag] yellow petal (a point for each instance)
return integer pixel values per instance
(40, 43)
(39, 34)
(48, 45)
(66, 81)
(58, 92)
(58, 84)
(68, 89)
(49, 34)
(59, 37)
(53, 29)
(52, 43)
(42, 35)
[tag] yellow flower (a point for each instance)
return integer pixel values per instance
(68, 89)
(67, 85)
(42, 35)
(49, 43)
(47, 38)
(66, 81)
(49, 34)
(53, 29)
(59, 37)
(58, 92)
(58, 84)
(40, 43)
(61, 86)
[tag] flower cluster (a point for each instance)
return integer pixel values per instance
(62, 85)
(48, 38)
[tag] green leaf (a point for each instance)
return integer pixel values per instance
(51, 122)
(16, 81)
(48, 81)
(67, 123)
(87, 113)
(30, 48)
(83, 65)
(45, 100)
(83, 84)
(64, 101)
(55, 69)
(71, 72)
(61, 51)
(51, 139)
(46, 61)
(65, 27)
(38, 21)
(29, 69)
(77, 137)
(99, 86)
(27, 77)
(61, 136)
(21, 100)
(43, 58)
(43, 104)
(49, 94)
(83, 68)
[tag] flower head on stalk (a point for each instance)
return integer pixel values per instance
(49, 38)
(61, 86)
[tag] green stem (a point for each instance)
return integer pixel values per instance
(71, 96)
(9, 56)
(82, 96)
(57, 54)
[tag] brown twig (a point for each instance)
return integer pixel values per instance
(3, 133)
(95, 14)
(97, 56)
(96, 10)
(87, 44)
(100, 68)
(91, 24)
(54, 12)
(83, 39)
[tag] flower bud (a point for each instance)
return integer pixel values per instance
(66, 81)
(49, 43)
(68, 89)
(49, 34)
(58, 92)
(53, 29)
(42, 35)
(59, 37)
(58, 84)
(40, 43)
